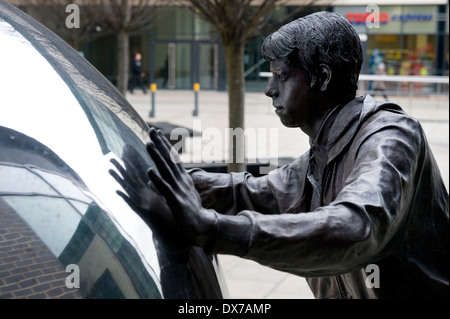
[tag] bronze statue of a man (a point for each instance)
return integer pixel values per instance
(367, 193)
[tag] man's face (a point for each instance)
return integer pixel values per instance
(291, 95)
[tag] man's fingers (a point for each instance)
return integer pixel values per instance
(127, 179)
(134, 162)
(149, 220)
(151, 185)
(118, 167)
(115, 175)
(117, 178)
(137, 174)
(164, 167)
(164, 188)
(162, 148)
(165, 148)
(161, 185)
(129, 188)
(129, 202)
(173, 153)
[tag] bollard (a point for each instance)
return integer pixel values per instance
(153, 88)
(196, 89)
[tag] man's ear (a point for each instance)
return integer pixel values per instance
(322, 78)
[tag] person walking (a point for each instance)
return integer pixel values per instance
(137, 76)
(380, 85)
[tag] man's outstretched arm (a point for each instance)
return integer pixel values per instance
(333, 239)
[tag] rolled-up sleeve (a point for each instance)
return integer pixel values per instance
(279, 192)
(231, 193)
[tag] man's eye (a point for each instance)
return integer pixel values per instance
(281, 77)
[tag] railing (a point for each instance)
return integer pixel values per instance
(408, 85)
(434, 88)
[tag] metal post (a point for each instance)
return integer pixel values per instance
(153, 88)
(196, 89)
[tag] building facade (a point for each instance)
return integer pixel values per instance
(409, 36)
(410, 39)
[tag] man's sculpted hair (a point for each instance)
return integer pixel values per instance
(320, 38)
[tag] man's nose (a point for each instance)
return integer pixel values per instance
(270, 89)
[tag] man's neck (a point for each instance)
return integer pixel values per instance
(328, 106)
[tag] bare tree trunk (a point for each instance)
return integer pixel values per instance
(122, 76)
(74, 41)
(234, 59)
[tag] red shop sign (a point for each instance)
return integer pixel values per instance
(359, 18)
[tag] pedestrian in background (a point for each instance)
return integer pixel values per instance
(137, 76)
(380, 85)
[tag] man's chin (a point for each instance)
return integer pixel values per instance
(286, 123)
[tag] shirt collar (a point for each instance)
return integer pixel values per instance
(337, 129)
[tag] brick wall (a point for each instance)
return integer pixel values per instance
(27, 268)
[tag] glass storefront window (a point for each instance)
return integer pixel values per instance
(182, 24)
(403, 55)
(182, 65)
(393, 19)
(208, 68)
(204, 30)
(174, 23)
(161, 66)
(404, 40)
